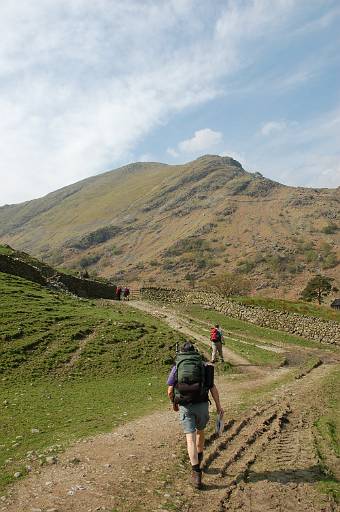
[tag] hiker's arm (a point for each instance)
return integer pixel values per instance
(216, 397)
(171, 393)
(171, 397)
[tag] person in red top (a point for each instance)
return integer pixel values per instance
(216, 337)
(118, 292)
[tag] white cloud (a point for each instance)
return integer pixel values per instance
(299, 154)
(83, 82)
(202, 140)
(172, 152)
(273, 127)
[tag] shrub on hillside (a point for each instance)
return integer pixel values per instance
(87, 261)
(330, 229)
(228, 284)
(330, 261)
(96, 237)
(244, 267)
(191, 244)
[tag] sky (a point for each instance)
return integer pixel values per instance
(90, 85)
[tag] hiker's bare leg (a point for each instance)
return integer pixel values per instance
(200, 441)
(220, 350)
(214, 352)
(192, 448)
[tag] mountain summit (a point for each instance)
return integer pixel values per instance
(161, 223)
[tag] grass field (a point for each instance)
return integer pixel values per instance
(299, 307)
(246, 329)
(71, 367)
(243, 343)
(327, 434)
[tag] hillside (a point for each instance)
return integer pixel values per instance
(159, 223)
(66, 363)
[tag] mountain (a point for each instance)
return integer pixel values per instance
(158, 223)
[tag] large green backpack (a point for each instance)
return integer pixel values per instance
(190, 384)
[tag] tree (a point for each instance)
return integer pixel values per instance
(191, 278)
(229, 284)
(317, 288)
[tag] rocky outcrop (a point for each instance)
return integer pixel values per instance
(47, 276)
(317, 329)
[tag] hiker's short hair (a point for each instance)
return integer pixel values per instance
(217, 326)
(188, 347)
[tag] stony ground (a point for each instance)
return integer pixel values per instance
(264, 461)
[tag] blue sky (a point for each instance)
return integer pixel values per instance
(87, 86)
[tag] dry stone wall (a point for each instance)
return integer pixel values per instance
(317, 329)
(86, 288)
(19, 268)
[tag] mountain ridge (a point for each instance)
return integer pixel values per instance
(158, 222)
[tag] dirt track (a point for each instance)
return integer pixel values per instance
(264, 461)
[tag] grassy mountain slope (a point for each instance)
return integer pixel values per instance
(159, 223)
(71, 367)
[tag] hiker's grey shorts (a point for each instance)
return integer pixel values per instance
(194, 416)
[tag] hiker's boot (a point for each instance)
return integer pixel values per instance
(196, 478)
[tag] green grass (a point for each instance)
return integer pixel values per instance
(245, 328)
(254, 354)
(64, 412)
(329, 423)
(246, 348)
(120, 372)
(327, 435)
(299, 307)
(40, 330)
(5, 250)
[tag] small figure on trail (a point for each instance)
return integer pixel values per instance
(126, 293)
(216, 338)
(122, 293)
(118, 292)
(189, 384)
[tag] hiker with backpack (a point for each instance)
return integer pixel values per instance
(189, 384)
(216, 338)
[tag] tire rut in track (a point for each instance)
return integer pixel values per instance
(227, 463)
(267, 461)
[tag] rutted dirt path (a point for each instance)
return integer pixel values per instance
(264, 461)
(267, 460)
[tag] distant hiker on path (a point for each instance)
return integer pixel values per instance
(118, 292)
(126, 293)
(189, 383)
(216, 338)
